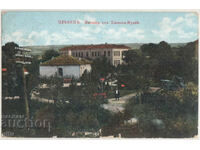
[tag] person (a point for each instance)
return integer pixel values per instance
(117, 94)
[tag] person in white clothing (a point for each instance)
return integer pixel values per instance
(117, 94)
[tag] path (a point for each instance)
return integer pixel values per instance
(116, 106)
(39, 99)
(113, 105)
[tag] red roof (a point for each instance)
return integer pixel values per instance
(63, 60)
(88, 47)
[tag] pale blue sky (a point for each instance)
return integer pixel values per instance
(42, 28)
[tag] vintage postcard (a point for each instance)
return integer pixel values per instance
(99, 74)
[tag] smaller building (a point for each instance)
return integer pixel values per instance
(65, 66)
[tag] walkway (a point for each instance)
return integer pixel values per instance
(116, 106)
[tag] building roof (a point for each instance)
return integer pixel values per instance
(88, 47)
(65, 61)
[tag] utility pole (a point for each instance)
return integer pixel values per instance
(25, 96)
(102, 81)
(23, 59)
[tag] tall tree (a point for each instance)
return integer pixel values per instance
(101, 67)
(12, 77)
(49, 54)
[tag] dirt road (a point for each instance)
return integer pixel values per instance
(116, 106)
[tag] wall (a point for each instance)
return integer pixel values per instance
(101, 51)
(84, 67)
(118, 57)
(71, 70)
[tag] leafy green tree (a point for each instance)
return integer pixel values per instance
(186, 64)
(12, 78)
(101, 67)
(160, 60)
(158, 51)
(150, 49)
(9, 50)
(49, 54)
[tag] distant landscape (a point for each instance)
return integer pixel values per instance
(38, 50)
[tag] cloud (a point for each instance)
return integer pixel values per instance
(87, 18)
(91, 29)
(190, 20)
(86, 34)
(121, 33)
(137, 33)
(167, 27)
(17, 37)
(115, 33)
(183, 34)
(56, 38)
(34, 38)
(49, 38)
(83, 34)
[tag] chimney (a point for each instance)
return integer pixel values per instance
(69, 53)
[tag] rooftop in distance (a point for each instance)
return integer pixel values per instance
(64, 60)
(99, 46)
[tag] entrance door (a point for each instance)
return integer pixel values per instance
(60, 72)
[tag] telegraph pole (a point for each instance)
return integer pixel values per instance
(25, 96)
(23, 58)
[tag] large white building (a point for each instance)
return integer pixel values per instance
(113, 52)
(65, 66)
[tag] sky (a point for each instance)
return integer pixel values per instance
(43, 28)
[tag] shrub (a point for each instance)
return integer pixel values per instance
(177, 109)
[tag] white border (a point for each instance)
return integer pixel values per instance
(112, 144)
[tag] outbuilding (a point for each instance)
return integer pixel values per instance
(65, 66)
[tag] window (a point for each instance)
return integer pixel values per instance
(81, 54)
(98, 53)
(87, 54)
(92, 53)
(76, 54)
(60, 72)
(116, 53)
(104, 53)
(108, 53)
(116, 62)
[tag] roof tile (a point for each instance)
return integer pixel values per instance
(88, 47)
(65, 60)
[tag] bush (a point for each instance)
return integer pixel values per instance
(177, 109)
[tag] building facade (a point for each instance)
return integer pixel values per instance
(113, 52)
(65, 66)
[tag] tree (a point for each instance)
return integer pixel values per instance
(160, 60)
(12, 78)
(186, 64)
(150, 49)
(9, 50)
(49, 54)
(101, 67)
(132, 57)
(158, 51)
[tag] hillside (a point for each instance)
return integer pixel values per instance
(39, 50)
